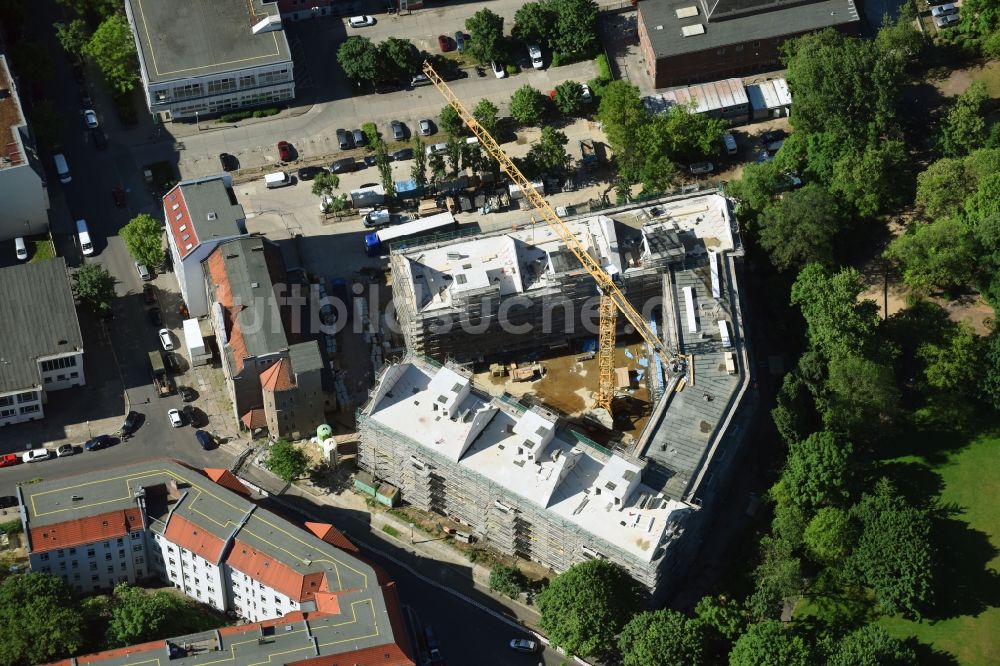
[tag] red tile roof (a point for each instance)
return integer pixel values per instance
(278, 377)
(195, 538)
(264, 568)
(332, 536)
(76, 532)
(216, 263)
(174, 205)
(254, 418)
(228, 480)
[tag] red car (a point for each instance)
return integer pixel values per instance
(119, 196)
(9, 460)
(285, 151)
(445, 43)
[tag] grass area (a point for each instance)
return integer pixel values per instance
(990, 75)
(40, 249)
(391, 531)
(970, 484)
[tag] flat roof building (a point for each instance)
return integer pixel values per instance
(719, 99)
(194, 61)
(201, 531)
(22, 178)
(41, 347)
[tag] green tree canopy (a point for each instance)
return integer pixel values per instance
(418, 172)
(576, 26)
(836, 322)
(942, 187)
(287, 460)
(359, 58)
(325, 183)
(829, 536)
(143, 237)
(871, 645)
(527, 106)
(981, 17)
(955, 366)
(486, 114)
(585, 607)
(664, 638)
(453, 153)
(990, 382)
(817, 473)
(138, 616)
(534, 23)
(41, 620)
(94, 286)
(399, 57)
(73, 36)
(486, 40)
(800, 228)
(940, 255)
(569, 98)
(686, 136)
(770, 643)
(860, 394)
(548, 154)
(450, 122)
(507, 580)
(112, 48)
(723, 616)
(964, 126)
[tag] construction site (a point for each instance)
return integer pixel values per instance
(489, 419)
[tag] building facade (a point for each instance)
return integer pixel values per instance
(690, 41)
(22, 178)
(41, 346)
(194, 62)
(200, 531)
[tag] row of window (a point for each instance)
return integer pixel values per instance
(62, 378)
(59, 363)
(217, 105)
(26, 396)
(222, 86)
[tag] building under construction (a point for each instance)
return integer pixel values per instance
(523, 480)
(518, 290)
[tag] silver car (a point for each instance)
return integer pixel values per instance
(426, 129)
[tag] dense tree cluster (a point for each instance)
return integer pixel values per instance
(392, 60)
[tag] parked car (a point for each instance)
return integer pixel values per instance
(701, 167)
(498, 70)
(166, 340)
(360, 21)
(143, 272)
(228, 162)
(90, 118)
(172, 363)
(97, 443)
(585, 94)
(377, 218)
(359, 137)
(344, 166)
(398, 130)
(118, 194)
(149, 293)
(65, 450)
(383, 87)
(944, 10)
(523, 645)
(309, 172)
(445, 44)
(344, 139)
(131, 423)
(191, 415)
(175, 418)
(154, 317)
(204, 439)
(436, 148)
(36, 455)
(370, 160)
(460, 40)
(420, 80)
(9, 460)
(945, 21)
(187, 393)
(426, 128)
(403, 154)
(535, 53)
(20, 249)
(285, 151)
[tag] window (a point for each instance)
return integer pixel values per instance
(107, 556)
(62, 566)
(94, 578)
(138, 573)
(173, 562)
(90, 552)
(137, 548)
(29, 396)
(75, 564)
(121, 553)
(7, 412)
(29, 409)
(44, 557)
(739, 47)
(756, 44)
(107, 544)
(6, 401)
(212, 589)
(170, 549)
(720, 51)
(139, 560)
(121, 542)
(93, 566)
(46, 568)
(48, 380)
(111, 568)
(123, 566)
(59, 363)
(72, 551)
(136, 536)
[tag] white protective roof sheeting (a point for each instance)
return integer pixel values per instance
(686, 12)
(689, 308)
(772, 94)
(692, 30)
(724, 333)
(713, 265)
(706, 97)
(192, 336)
(415, 227)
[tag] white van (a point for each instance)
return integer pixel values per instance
(729, 141)
(62, 169)
(279, 179)
(21, 248)
(86, 246)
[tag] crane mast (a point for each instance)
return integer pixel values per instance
(612, 298)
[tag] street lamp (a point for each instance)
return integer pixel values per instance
(411, 533)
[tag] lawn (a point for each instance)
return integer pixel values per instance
(990, 75)
(970, 478)
(40, 249)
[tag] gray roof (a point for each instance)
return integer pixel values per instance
(771, 18)
(37, 319)
(213, 208)
(181, 39)
(305, 356)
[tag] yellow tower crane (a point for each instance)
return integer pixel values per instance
(612, 298)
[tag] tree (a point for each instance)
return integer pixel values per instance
(143, 237)
(940, 255)
(384, 165)
(942, 187)
(287, 461)
(585, 607)
(964, 126)
(359, 58)
(990, 383)
(453, 153)
(418, 172)
(569, 98)
(400, 57)
(664, 638)
(325, 183)
(437, 166)
(770, 643)
(980, 17)
(41, 618)
(835, 320)
(955, 366)
(534, 23)
(73, 36)
(829, 536)
(485, 35)
(723, 616)
(95, 287)
(548, 154)
(527, 105)
(871, 178)
(893, 555)
(96, 10)
(685, 135)
(817, 473)
(576, 26)
(138, 616)
(777, 578)
(486, 114)
(871, 645)
(112, 48)
(450, 122)
(800, 227)
(860, 394)
(507, 580)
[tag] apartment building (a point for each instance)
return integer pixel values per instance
(201, 531)
(195, 62)
(41, 346)
(22, 178)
